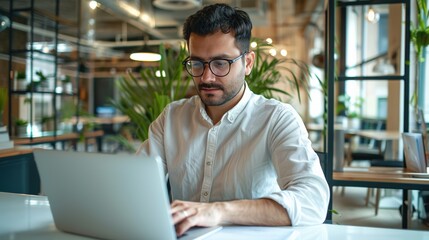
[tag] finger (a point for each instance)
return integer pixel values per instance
(184, 226)
(181, 215)
(176, 203)
(177, 206)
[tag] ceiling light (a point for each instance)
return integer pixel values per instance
(269, 40)
(253, 44)
(283, 52)
(4, 22)
(145, 56)
(45, 49)
(372, 16)
(177, 5)
(273, 52)
(93, 4)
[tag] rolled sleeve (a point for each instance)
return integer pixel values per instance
(306, 203)
(304, 191)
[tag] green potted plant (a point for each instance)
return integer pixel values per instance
(43, 80)
(67, 84)
(48, 123)
(67, 111)
(40, 84)
(3, 101)
(20, 81)
(21, 127)
(349, 108)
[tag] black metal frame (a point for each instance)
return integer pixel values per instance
(12, 12)
(331, 78)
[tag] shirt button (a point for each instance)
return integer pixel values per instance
(205, 194)
(209, 163)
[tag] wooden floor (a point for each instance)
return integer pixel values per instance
(352, 210)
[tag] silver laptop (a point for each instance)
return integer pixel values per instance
(108, 196)
(415, 157)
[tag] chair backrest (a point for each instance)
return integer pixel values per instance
(323, 158)
(372, 124)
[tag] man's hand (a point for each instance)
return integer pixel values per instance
(190, 214)
(244, 212)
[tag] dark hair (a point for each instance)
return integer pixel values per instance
(220, 17)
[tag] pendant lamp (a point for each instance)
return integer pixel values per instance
(145, 54)
(372, 16)
(4, 22)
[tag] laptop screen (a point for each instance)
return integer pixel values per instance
(415, 159)
(109, 196)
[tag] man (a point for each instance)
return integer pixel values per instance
(234, 157)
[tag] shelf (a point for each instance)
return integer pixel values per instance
(24, 92)
(35, 47)
(38, 55)
(27, 140)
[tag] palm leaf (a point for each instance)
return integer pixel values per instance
(143, 97)
(269, 71)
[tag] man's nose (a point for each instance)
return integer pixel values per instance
(207, 76)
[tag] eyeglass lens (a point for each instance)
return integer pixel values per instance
(219, 67)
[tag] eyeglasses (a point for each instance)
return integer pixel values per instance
(219, 67)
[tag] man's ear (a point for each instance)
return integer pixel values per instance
(250, 60)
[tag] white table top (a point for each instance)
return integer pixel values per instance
(29, 217)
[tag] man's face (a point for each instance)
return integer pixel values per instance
(214, 90)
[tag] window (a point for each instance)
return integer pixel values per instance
(368, 53)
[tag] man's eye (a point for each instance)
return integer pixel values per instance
(196, 64)
(219, 63)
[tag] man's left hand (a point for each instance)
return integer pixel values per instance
(191, 214)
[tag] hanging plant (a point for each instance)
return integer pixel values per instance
(419, 36)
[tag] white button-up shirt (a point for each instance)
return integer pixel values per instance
(259, 149)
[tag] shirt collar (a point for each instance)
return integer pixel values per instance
(233, 113)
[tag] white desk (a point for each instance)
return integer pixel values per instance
(29, 217)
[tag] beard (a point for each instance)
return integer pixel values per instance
(210, 99)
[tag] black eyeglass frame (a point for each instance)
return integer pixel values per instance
(230, 61)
